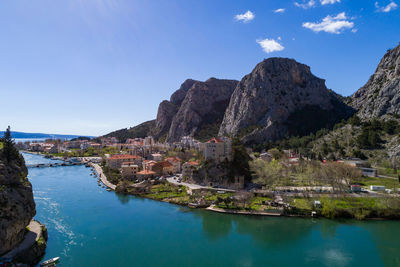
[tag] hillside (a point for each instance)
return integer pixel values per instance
(140, 131)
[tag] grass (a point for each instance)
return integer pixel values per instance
(1, 145)
(389, 183)
(167, 191)
(41, 241)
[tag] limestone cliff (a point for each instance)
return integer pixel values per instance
(380, 96)
(281, 97)
(202, 109)
(17, 206)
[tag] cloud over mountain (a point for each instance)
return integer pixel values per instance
(331, 24)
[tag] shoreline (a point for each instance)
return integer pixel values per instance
(212, 208)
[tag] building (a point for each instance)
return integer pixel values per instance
(176, 162)
(218, 149)
(115, 161)
(163, 168)
(371, 172)
(188, 168)
(148, 141)
(145, 174)
(148, 164)
(156, 157)
(129, 170)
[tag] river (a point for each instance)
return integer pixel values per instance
(89, 226)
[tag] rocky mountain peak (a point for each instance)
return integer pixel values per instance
(202, 109)
(380, 96)
(271, 101)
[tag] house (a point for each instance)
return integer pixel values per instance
(163, 168)
(156, 157)
(129, 170)
(145, 174)
(218, 149)
(176, 162)
(115, 161)
(188, 168)
(148, 164)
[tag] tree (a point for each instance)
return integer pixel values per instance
(9, 150)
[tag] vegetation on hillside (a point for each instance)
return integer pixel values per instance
(140, 131)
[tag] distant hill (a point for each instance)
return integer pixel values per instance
(40, 135)
(140, 131)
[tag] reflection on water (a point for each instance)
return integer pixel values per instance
(124, 199)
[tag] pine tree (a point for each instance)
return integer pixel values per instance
(9, 150)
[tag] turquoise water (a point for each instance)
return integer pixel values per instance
(89, 226)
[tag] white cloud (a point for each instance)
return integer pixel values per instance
(327, 2)
(270, 45)
(246, 17)
(385, 9)
(279, 10)
(305, 4)
(331, 24)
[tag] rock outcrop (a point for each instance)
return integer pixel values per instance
(281, 97)
(17, 206)
(380, 96)
(168, 109)
(202, 109)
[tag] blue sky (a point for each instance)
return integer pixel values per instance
(93, 66)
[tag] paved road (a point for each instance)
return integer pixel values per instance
(30, 238)
(174, 180)
(102, 177)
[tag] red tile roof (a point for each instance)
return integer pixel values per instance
(146, 172)
(215, 140)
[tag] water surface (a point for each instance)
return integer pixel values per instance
(89, 226)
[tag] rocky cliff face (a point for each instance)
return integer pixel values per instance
(280, 96)
(202, 109)
(381, 95)
(17, 206)
(168, 109)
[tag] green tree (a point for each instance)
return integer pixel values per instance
(9, 150)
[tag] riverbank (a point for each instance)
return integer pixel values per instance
(102, 176)
(31, 250)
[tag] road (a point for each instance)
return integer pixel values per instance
(174, 180)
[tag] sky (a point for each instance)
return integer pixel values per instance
(89, 67)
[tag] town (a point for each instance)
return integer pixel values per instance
(224, 176)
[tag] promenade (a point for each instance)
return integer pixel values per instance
(102, 176)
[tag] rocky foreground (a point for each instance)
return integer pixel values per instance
(17, 209)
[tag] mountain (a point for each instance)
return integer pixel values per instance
(140, 131)
(202, 109)
(281, 97)
(380, 96)
(168, 109)
(40, 135)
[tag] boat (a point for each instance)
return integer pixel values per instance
(50, 262)
(108, 189)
